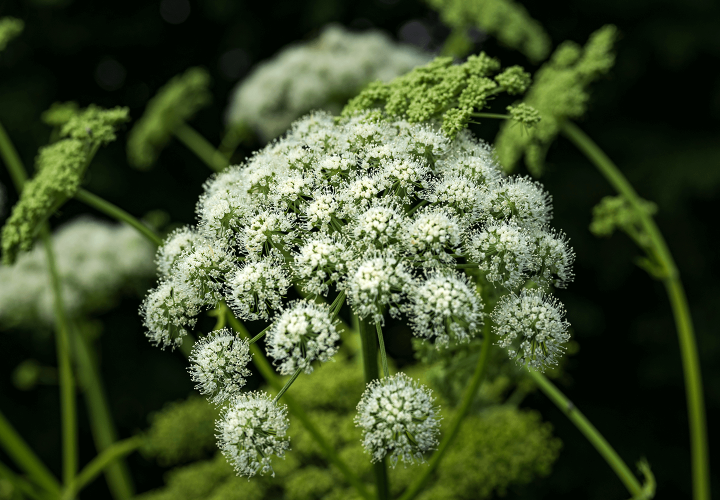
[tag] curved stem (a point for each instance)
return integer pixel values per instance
(370, 367)
(67, 382)
(100, 463)
(678, 302)
(25, 458)
(589, 431)
(468, 397)
(266, 370)
(201, 147)
(12, 160)
(116, 212)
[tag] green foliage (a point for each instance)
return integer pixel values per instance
(59, 169)
(496, 447)
(559, 92)
(174, 104)
(10, 27)
(441, 90)
(182, 431)
(506, 20)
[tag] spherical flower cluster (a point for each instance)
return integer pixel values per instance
(97, 261)
(445, 305)
(305, 332)
(253, 429)
(258, 287)
(218, 364)
(537, 322)
(398, 419)
(323, 73)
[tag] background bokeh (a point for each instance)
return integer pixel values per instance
(657, 115)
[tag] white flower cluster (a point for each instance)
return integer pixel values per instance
(384, 211)
(251, 430)
(218, 364)
(387, 214)
(302, 334)
(538, 321)
(96, 261)
(321, 74)
(398, 419)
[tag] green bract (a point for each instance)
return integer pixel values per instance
(441, 90)
(508, 21)
(174, 104)
(59, 169)
(559, 92)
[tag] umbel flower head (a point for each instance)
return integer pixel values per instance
(398, 419)
(253, 429)
(383, 210)
(218, 364)
(531, 327)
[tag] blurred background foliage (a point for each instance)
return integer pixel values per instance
(657, 115)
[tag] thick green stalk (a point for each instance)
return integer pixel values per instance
(383, 354)
(116, 212)
(266, 370)
(25, 458)
(100, 463)
(589, 431)
(370, 367)
(104, 433)
(201, 147)
(67, 382)
(678, 301)
(468, 398)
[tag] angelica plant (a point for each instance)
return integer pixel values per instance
(392, 213)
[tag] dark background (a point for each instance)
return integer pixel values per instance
(656, 115)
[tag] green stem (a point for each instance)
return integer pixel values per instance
(370, 367)
(589, 431)
(678, 301)
(468, 398)
(266, 370)
(259, 335)
(201, 147)
(287, 385)
(12, 160)
(100, 463)
(116, 212)
(383, 355)
(103, 429)
(25, 458)
(491, 115)
(22, 485)
(67, 383)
